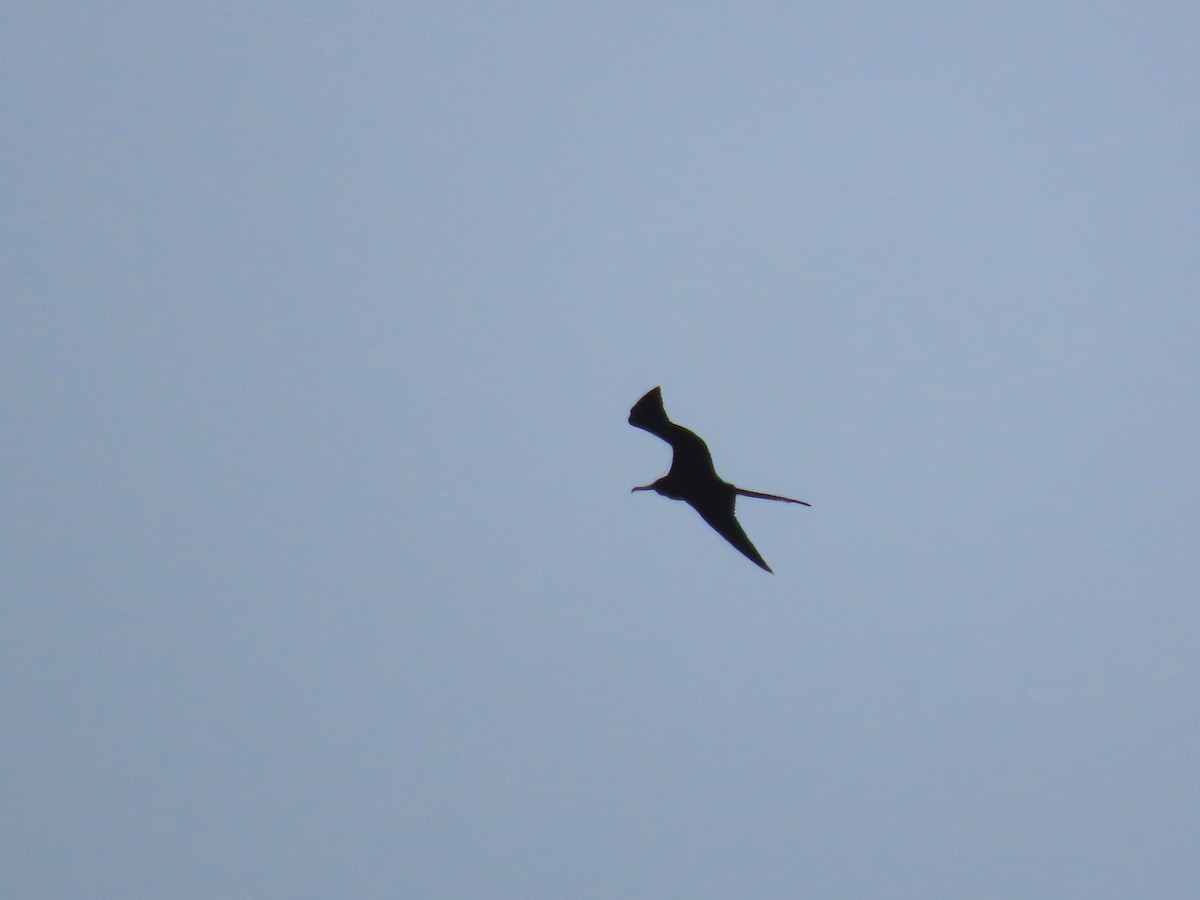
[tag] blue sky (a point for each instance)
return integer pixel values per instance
(322, 576)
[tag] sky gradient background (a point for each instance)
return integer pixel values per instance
(321, 572)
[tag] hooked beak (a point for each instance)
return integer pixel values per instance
(644, 487)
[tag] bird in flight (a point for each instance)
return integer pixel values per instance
(692, 477)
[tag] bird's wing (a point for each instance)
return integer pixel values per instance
(691, 458)
(726, 525)
(649, 415)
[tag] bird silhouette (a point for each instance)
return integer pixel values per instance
(692, 477)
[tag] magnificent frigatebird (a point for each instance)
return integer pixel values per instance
(692, 477)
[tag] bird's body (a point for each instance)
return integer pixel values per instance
(692, 477)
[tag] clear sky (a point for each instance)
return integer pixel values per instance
(321, 575)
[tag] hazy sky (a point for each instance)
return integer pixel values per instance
(321, 574)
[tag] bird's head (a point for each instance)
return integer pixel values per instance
(646, 487)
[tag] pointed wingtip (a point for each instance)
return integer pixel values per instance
(650, 415)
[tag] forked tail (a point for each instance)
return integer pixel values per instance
(745, 493)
